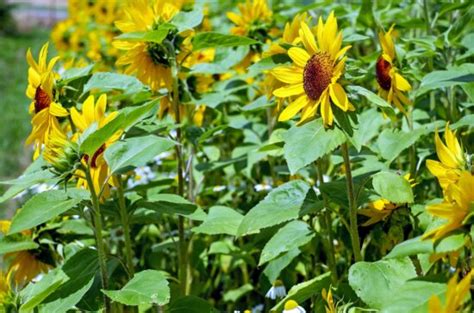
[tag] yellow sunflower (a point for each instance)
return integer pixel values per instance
(40, 90)
(457, 204)
(451, 156)
(252, 15)
(290, 36)
(312, 79)
(455, 296)
(392, 85)
(94, 113)
(147, 60)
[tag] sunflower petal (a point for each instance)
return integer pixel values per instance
(401, 83)
(299, 56)
(339, 96)
(288, 91)
(293, 108)
(308, 39)
(288, 74)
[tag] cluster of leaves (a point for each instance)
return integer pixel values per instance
(207, 215)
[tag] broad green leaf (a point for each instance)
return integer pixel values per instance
(275, 266)
(375, 283)
(156, 36)
(41, 208)
(220, 220)
(258, 104)
(235, 294)
(392, 142)
(459, 75)
(309, 142)
(373, 98)
(413, 297)
(136, 151)
(450, 243)
(280, 205)
(106, 81)
(305, 290)
(190, 304)
(81, 268)
(466, 120)
(9, 244)
(393, 187)
(292, 235)
(187, 20)
(268, 63)
(410, 247)
(168, 204)
(34, 293)
(75, 73)
(26, 181)
(368, 128)
(212, 40)
(146, 287)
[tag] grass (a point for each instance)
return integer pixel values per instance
(14, 118)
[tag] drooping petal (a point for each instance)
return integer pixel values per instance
(288, 74)
(339, 96)
(288, 91)
(293, 108)
(401, 83)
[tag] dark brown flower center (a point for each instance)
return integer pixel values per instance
(42, 100)
(382, 70)
(95, 156)
(317, 74)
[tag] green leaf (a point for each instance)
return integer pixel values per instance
(9, 244)
(105, 81)
(75, 73)
(292, 235)
(275, 266)
(235, 294)
(466, 120)
(280, 205)
(368, 128)
(373, 98)
(146, 287)
(190, 304)
(305, 290)
(410, 247)
(269, 63)
(132, 152)
(187, 20)
(156, 36)
(212, 40)
(450, 243)
(309, 142)
(41, 208)
(26, 181)
(81, 268)
(392, 142)
(375, 283)
(393, 187)
(258, 104)
(168, 204)
(220, 220)
(413, 297)
(459, 75)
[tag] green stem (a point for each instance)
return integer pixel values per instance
(99, 239)
(327, 223)
(182, 253)
(352, 206)
(412, 151)
(126, 227)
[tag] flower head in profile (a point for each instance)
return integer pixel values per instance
(93, 113)
(60, 151)
(148, 60)
(457, 205)
(276, 291)
(451, 156)
(392, 85)
(291, 306)
(455, 296)
(312, 80)
(254, 17)
(45, 111)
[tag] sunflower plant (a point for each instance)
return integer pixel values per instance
(246, 156)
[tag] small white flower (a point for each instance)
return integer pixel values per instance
(219, 188)
(159, 158)
(276, 291)
(262, 187)
(143, 175)
(258, 308)
(291, 306)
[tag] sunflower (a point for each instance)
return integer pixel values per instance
(312, 78)
(392, 85)
(457, 204)
(290, 36)
(60, 151)
(252, 19)
(94, 113)
(148, 60)
(455, 296)
(451, 156)
(40, 90)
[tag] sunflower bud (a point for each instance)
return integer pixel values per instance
(60, 152)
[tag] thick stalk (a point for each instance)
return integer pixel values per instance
(126, 227)
(98, 238)
(412, 151)
(182, 253)
(327, 223)
(352, 206)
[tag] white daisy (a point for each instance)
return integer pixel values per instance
(291, 306)
(276, 291)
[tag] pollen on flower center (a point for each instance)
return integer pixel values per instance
(317, 74)
(382, 69)
(42, 100)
